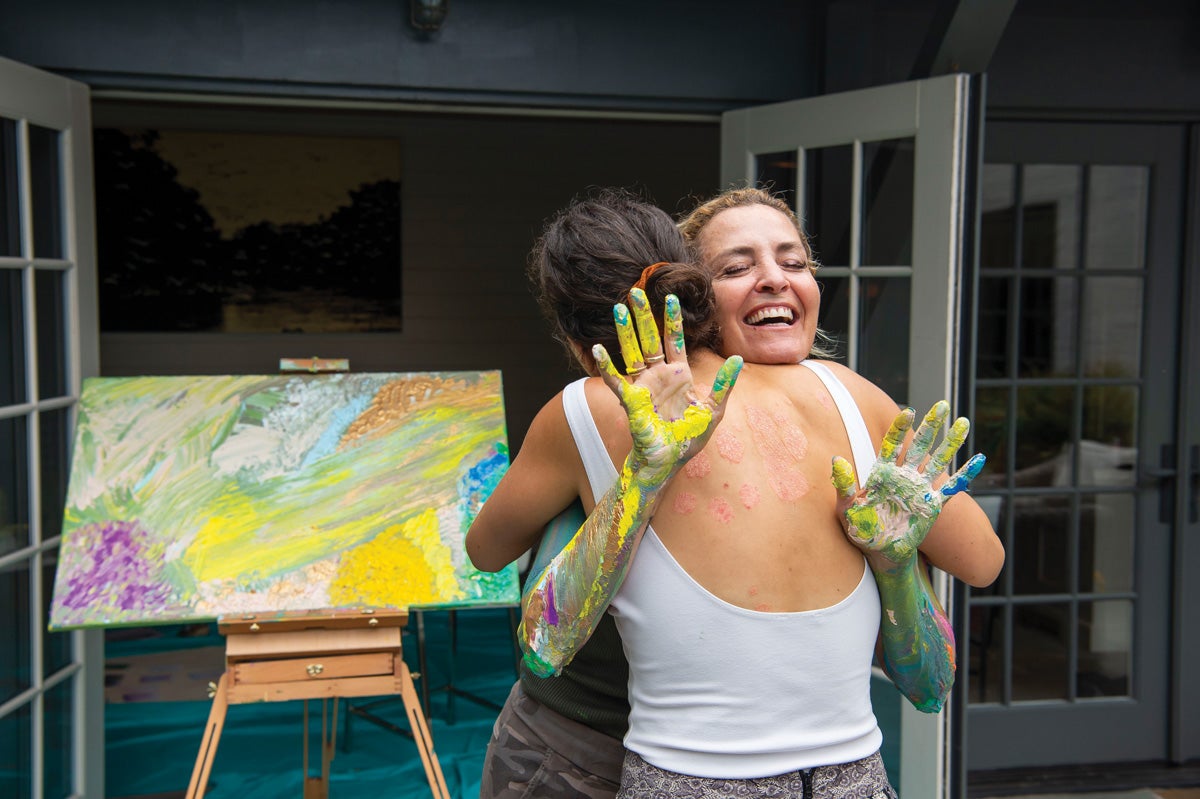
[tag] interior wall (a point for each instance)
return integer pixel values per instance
(475, 194)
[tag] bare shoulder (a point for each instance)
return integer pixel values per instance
(878, 409)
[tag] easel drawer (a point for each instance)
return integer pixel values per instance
(316, 667)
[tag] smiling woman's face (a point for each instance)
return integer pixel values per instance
(762, 276)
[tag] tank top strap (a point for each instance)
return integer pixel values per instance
(861, 445)
(600, 470)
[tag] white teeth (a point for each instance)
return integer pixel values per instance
(778, 314)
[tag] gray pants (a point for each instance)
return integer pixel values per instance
(861, 779)
(535, 752)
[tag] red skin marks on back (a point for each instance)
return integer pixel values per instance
(749, 495)
(729, 446)
(698, 466)
(685, 503)
(782, 446)
(721, 510)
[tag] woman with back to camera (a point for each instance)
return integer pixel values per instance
(749, 528)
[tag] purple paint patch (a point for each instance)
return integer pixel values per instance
(551, 611)
(116, 570)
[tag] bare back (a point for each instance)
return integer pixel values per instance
(752, 516)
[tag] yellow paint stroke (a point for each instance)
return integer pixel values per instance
(407, 560)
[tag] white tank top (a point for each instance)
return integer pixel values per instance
(720, 691)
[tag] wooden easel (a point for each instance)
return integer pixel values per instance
(315, 657)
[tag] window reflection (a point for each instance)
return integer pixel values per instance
(1105, 644)
(1118, 198)
(1039, 655)
(1050, 208)
(828, 181)
(888, 181)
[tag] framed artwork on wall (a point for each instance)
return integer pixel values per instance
(229, 232)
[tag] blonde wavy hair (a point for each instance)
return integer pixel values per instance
(824, 345)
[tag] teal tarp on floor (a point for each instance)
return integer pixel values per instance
(151, 746)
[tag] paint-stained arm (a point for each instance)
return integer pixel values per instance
(889, 518)
(668, 424)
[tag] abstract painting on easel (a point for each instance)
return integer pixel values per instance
(194, 498)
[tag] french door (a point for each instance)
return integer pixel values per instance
(51, 694)
(1079, 403)
(883, 181)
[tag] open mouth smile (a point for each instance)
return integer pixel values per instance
(774, 315)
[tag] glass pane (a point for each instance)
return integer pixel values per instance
(1106, 543)
(1039, 657)
(54, 440)
(1118, 200)
(45, 169)
(997, 219)
(888, 202)
(59, 766)
(12, 338)
(1047, 326)
(1110, 416)
(1108, 452)
(16, 754)
(1041, 543)
(10, 212)
(1112, 326)
(987, 654)
(989, 430)
(835, 310)
(828, 181)
(56, 647)
(992, 353)
(1043, 423)
(14, 630)
(776, 172)
(14, 485)
(1050, 216)
(49, 289)
(883, 333)
(1105, 657)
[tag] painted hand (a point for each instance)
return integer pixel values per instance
(892, 513)
(668, 421)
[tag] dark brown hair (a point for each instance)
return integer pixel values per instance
(593, 251)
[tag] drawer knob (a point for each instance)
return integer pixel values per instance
(314, 669)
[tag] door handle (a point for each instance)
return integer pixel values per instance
(1194, 483)
(1164, 475)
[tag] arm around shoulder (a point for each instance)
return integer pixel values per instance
(962, 541)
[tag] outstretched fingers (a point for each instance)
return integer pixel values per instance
(608, 372)
(631, 351)
(926, 433)
(651, 346)
(963, 477)
(844, 479)
(673, 330)
(945, 453)
(895, 435)
(727, 375)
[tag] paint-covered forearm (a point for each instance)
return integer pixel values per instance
(888, 518)
(563, 604)
(918, 641)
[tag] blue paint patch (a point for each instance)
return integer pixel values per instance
(339, 423)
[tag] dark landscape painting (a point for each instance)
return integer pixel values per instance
(202, 231)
